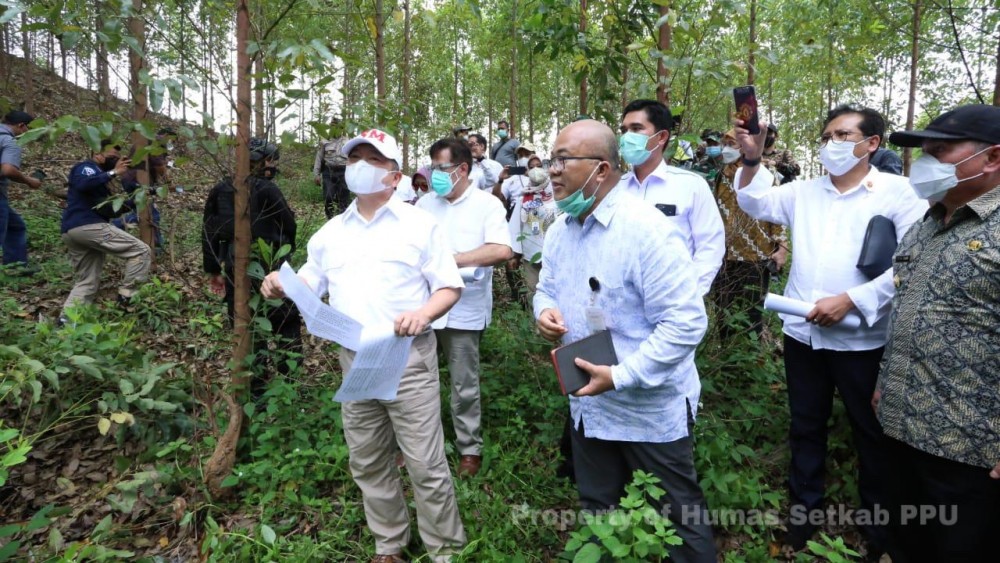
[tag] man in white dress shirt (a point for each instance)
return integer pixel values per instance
(683, 196)
(485, 171)
(385, 263)
(828, 217)
(475, 228)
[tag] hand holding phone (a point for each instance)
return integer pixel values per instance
(518, 170)
(746, 108)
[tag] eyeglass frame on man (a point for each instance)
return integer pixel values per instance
(825, 138)
(561, 160)
(443, 166)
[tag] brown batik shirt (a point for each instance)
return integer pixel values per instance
(940, 378)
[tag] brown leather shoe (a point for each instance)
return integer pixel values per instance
(394, 558)
(469, 465)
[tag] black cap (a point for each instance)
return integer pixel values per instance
(261, 149)
(710, 135)
(974, 122)
(772, 127)
(17, 117)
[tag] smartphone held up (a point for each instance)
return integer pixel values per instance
(746, 108)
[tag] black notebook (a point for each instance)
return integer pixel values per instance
(596, 349)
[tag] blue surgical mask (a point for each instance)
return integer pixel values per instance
(502, 133)
(577, 204)
(633, 147)
(713, 152)
(441, 183)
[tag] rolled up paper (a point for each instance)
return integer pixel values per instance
(789, 306)
(472, 274)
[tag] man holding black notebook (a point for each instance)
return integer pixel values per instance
(616, 263)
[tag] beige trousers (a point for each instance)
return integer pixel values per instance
(530, 272)
(373, 429)
(87, 246)
(461, 348)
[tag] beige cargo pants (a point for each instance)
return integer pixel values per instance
(88, 244)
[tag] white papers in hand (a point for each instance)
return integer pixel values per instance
(472, 274)
(321, 319)
(377, 368)
(789, 306)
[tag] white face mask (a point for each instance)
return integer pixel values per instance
(537, 176)
(931, 178)
(838, 158)
(522, 162)
(363, 178)
(730, 155)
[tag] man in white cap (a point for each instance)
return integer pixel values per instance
(385, 262)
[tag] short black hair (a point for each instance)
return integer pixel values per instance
(657, 113)
(480, 140)
(503, 122)
(872, 122)
(105, 143)
(458, 149)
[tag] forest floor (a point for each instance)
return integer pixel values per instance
(74, 488)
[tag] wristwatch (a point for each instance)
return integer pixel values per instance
(111, 173)
(750, 163)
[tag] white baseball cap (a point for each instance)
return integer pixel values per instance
(382, 141)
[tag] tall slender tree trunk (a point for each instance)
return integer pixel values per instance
(380, 62)
(220, 465)
(29, 66)
(258, 72)
(136, 59)
(512, 104)
(662, 72)
(583, 80)
(752, 52)
(103, 75)
(911, 103)
(531, 94)
(454, 97)
(406, 81)
(996, 81)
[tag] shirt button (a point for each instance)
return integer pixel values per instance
(896, 281)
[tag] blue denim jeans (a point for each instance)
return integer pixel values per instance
(13, 234)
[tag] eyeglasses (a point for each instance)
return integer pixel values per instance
(558, 163)
(442, 167)
(838, 137)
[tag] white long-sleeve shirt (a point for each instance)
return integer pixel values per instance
(693, 211)
(828, 231)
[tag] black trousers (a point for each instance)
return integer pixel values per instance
(603, 469)
(941, 510)
(812, 377)
(740, 287)
(336, 196)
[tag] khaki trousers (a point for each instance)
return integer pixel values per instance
(461, 348)
(373, 429)
(87, 246)
(530, 272)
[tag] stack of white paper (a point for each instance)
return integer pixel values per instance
(789, 306)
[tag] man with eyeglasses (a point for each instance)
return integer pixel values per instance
(613, 261)
(681, 195)
(475, 228)
(938, 396)
(13, 231)
(485, 171)
(828, 217)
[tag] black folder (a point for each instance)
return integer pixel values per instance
(878, 247)
(597, 349)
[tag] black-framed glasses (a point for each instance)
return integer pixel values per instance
(838, 137)
(442, 167)
(558, 163)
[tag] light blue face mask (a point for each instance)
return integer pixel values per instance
(633, 147)
(714, 152)
(441, 183)
(576, 204)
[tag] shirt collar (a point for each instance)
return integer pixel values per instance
(463, 197)
(986, 204)
(660, 172)
(604, 211)
(7, 127)
(390, 206)
(869, 183)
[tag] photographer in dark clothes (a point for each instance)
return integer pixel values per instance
(272, 221)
